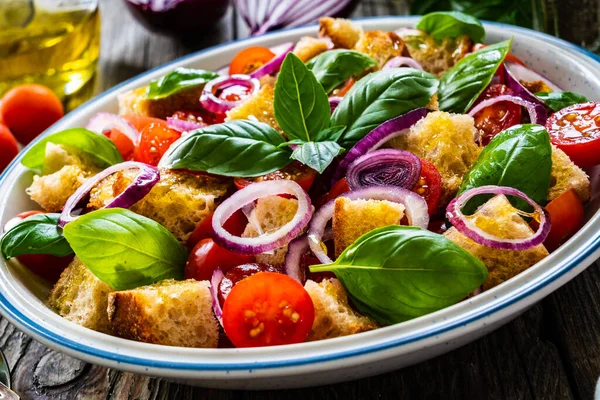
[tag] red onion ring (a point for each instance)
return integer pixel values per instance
(182, 126)
(140, 187)
(514, 72)
(296, 249)
(520, 72)
(399, 61)
(415, 209)
(269, 241)
(215, 280)
(273, 66)
(104, 122)
(470, 230)
(537, 114)
(334, 101)
(386, 167)
(212, 103)
(377, 137)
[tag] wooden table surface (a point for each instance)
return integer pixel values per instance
(551, 351)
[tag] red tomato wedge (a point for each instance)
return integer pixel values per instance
(250, 59)
(576, 131)
(268, 309)
(207, 256)
(498, 117)
(155, 139)
(297, 172)
(123, 143)
(566, 217)
(429, 186)
(8, 147)
(340, 187)
(236, 224)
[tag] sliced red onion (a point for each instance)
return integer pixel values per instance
(537, 114)
(377, 137)
(183, 125)
(522, 73)
(399, 61)
(415, 209)
(334, 101)
(215, 280)
(104, 122)
(273, 66)
(470, 230)
(386, 167)
(271, 240)
(296, 249)
(140, 187)
(516, 72)
(214, 104)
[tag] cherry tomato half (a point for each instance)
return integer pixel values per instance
(566, 216)
(236, 224)
(155, 139)
(576, 131)
(123, 143)
(8, 147)
(207, 256)
(498, 117)
(429, 186)
(250, 59)
(297, 172)
(268, 309)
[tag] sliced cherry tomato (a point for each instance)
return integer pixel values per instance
(30, 109)
(123, 143)
(207, 256)
(155, 138)
(8, 147)
(576, 131)
(566, 215)
(346, 88)
(429, 186)
(236, 224)
(340, 187)
(509, 57)
(236, 274)
(268, 309)
(498, 117)
(300, 173)
(250, 59)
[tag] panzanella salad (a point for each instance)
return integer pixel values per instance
(308, 191)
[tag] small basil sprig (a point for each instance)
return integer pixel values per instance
(177, 80)
(124, 249)
(37, 234)
(452, 24)
(334, 67)
(99, 148)
(462, 84)
(519, 157)
(559, 100)
(397, 273)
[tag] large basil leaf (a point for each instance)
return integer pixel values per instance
(301, 105)
(452, 24)
(462, 84)
(397, 273)
(317, 155)
(176, 80)
(519, 157)
(126, 250)
(236, 148)
(381, 96)
(559, 100)
(334, 67)
(37, 234)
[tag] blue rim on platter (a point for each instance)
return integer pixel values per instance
(564, 267)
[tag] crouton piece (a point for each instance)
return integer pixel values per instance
(309, 47)
(258, 107)
(447, 141)
(179, 201)
(436, 57)
(171, 313)
(80, 297)
(354, 218)
(565, 175)
(343, 33)
(136, 103)
(269, 214)
(333, 315)
(381, 46)
(500, 218)
(536, 86)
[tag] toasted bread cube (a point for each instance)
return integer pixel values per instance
(437, 57)
(309, 47)
(381, 46)
(80, 297)
(498, 217)
(171, 313)
(136, 103)
(354, 218)
(179, 201)
(258, 107)
(447, 141)
(269, 214)
(565, 175)
(343, 33)
(333, 315)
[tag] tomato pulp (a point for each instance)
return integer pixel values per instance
(498, 117)
(429, 186)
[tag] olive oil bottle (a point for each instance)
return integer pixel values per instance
(51, 42)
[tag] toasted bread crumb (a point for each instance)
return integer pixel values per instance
(343, 33)
(381, 46)
(566, 175)
(309, 47)
(258, 107)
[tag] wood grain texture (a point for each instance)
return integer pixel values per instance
(551, 351)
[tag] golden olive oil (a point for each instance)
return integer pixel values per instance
(51, 42)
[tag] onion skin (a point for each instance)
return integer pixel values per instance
(386, 167)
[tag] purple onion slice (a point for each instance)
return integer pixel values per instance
(183, 126)
(386, 167)
(273, 66)
(104, 122)
(296, 249)
(537, 114)
(210, 99)
(334, 101)
(215, 280)
(399, 61)
(516, 72)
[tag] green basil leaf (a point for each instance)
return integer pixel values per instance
(317, 155)
(381, 96)
(98, 147)
(519, 157)
(124, 249)
(559, 100)
(291, 143)
(176, 80)
(462, 84)
(37, 234)
(443, 24)
(397, 273)
(301, 105)
(332, 134)
(334, 67)
(236, 148)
